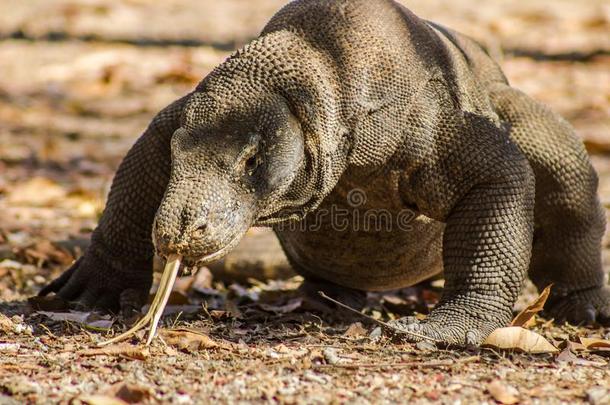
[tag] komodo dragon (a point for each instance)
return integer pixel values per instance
(361, 96)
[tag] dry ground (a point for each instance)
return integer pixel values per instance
(80, 80)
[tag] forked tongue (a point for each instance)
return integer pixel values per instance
(155, 311)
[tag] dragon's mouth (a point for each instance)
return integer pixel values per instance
(190, 260)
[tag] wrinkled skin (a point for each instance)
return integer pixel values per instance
(337, 96)
(222, 175)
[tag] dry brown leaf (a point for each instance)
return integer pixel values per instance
(595, 343)
(567, 356)
(528, 313)
(87, 319)
(355, 330)
(575, 346)
(188, 340)
(183, 283)
(220, 315)
(130, 393)
(44, 251)
(518, 338)
(123, 349)
(288, 307)
(175, 298)
(503, 393)
(38, 191)
(203, 279)
(398, 305)
(101, 400)
(6, 324)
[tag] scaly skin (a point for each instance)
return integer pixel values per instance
(337, 96)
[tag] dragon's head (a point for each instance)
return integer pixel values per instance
(229, 167)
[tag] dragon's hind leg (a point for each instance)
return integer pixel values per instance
(569, 221)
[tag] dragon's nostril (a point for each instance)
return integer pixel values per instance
(199, 232)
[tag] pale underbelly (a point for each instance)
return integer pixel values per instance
(367, 259)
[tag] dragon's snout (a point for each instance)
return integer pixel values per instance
(199, 224)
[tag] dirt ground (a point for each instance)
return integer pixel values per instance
(80, 80)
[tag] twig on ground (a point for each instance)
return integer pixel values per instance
(410, 364)
(377, 321)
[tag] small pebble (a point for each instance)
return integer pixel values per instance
(375, 333)
(598, 396)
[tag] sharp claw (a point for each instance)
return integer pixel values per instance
(155, 311)
(130, 302)
(473, 338)
(411, 320)
(59, 282)
(582, 315)
(406, 322)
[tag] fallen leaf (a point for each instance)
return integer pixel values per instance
(6, 324)
(220, 315)
(398, 305)
(282, 351)
(567, 356)
(243, 293)
(9, 347)
(425, 345)
(355, 330)
(72, 316)
(10, 264)
(123, 349)
(430, 297)
(203, 279)
(100, 324)
(130, 393)
(598, 395)
(595, 343)
(87, 319)
(38, 191)
(597, 146)
(188, 340)
(503, 393)
(44, 251)
(175, 298)
(180, 309)
(331, 356)
(528, 313)
(101, 400)
(183, 285)
(288, 307)
(575, 347)
(170, 351)
(518, 338)
(179, 74)
(375, 333)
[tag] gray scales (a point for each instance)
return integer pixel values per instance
(344, 95)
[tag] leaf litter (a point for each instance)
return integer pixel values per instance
(69, 111)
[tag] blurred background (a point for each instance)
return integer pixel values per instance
(80, 80)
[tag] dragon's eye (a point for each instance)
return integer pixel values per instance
(252, 164)
(250, 157)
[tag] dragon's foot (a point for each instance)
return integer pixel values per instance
(95, 282)
(458, 328)
(583, 307)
